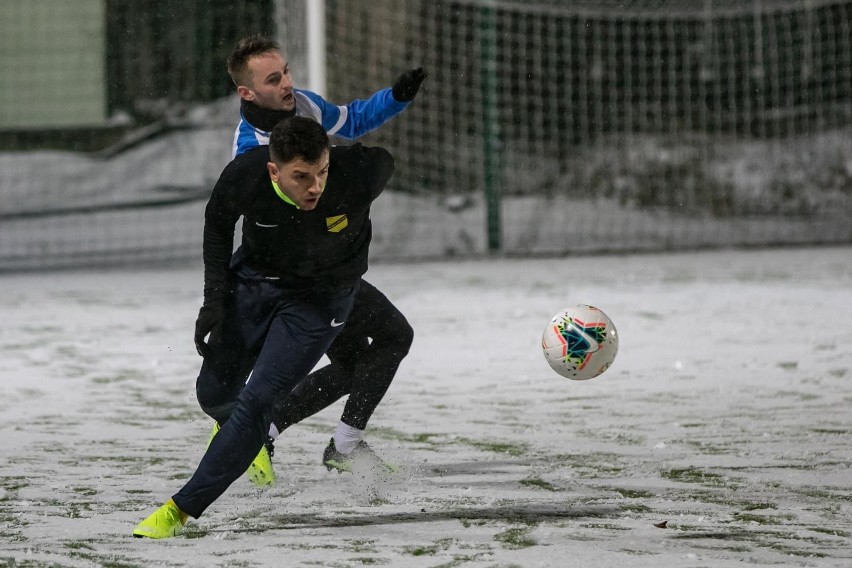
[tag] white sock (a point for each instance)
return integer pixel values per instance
(273, 431)
(346, 438)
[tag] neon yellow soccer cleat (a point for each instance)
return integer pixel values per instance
(165, 522)
(260, 472)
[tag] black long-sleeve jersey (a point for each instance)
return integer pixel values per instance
(324, 247)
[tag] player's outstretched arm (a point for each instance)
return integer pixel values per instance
(359, 117)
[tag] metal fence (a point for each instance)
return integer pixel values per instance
(544, 126)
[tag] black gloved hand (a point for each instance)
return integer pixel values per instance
(406, 87)
(210, 319)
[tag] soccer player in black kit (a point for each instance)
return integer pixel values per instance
(366, 355)
(279, 301)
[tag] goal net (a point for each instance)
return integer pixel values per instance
(604, 125)
(544, 127)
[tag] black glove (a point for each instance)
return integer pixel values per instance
(210, 319)
(406, 87)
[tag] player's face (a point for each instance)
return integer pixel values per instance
(271, 84)
(301, 181)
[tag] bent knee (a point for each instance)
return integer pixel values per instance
(215, 400)
(216, 397)
(407, 337)
(399, 339)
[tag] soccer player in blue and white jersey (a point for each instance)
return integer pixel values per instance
(261, 74)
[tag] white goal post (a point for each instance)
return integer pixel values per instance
(300, 29)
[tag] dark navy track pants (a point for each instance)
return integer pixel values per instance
(281, 335)
(364, 359)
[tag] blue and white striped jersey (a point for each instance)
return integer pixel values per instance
(350, 121)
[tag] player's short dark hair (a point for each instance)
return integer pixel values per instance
(296, 138)
(246, 48)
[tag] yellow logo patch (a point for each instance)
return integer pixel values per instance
(337, 223)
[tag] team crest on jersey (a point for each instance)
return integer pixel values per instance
(337, 223)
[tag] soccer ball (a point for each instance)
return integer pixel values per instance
(580, 342)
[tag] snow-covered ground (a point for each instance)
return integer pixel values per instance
(726, 416)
